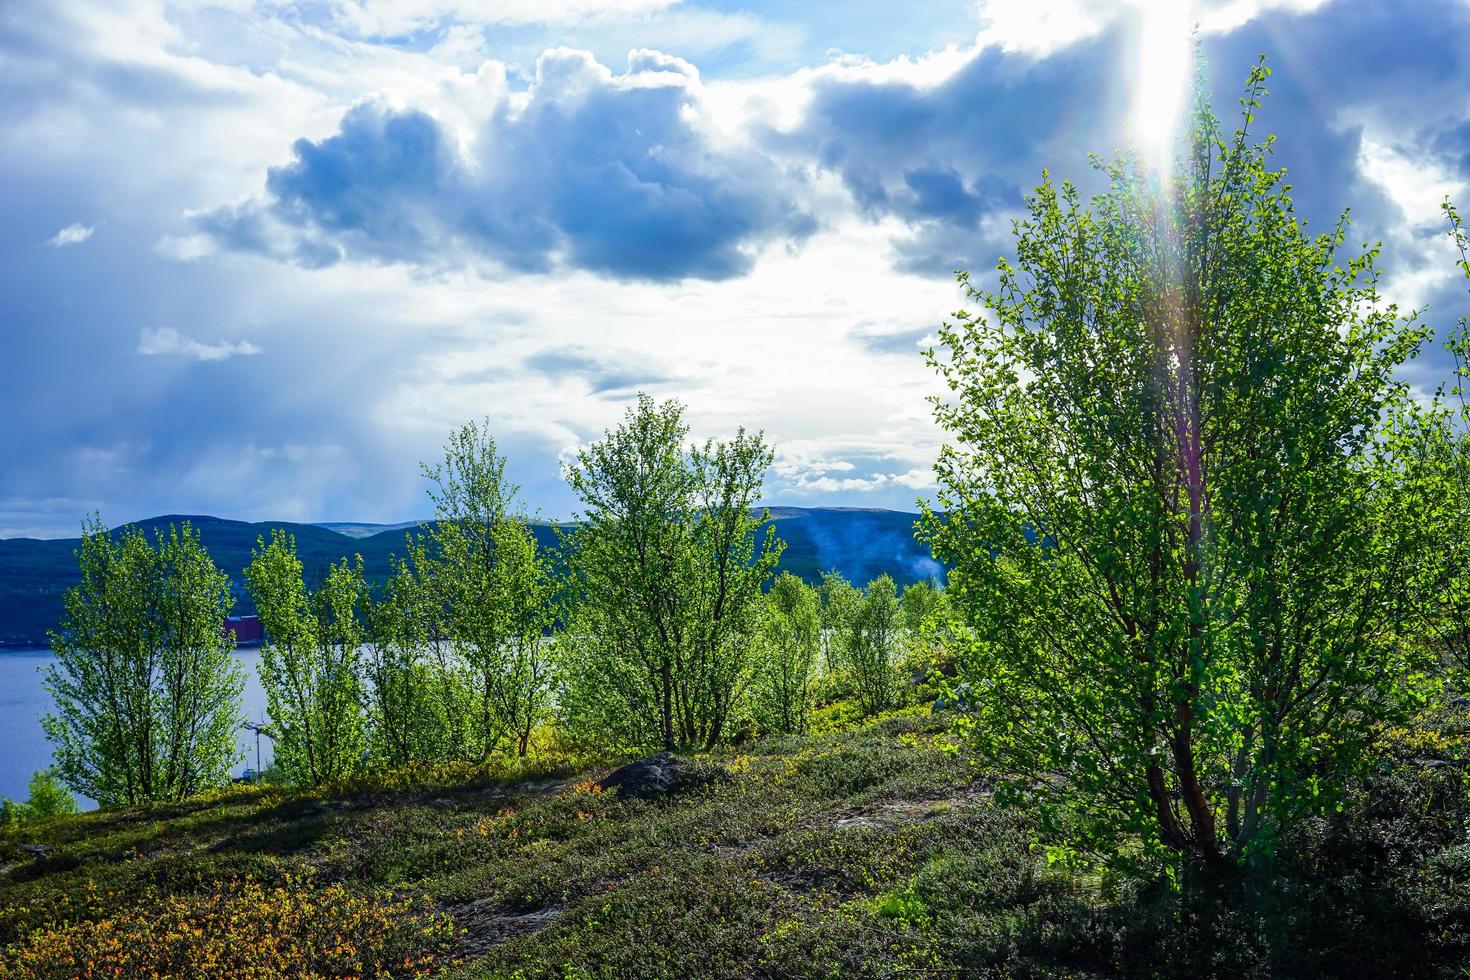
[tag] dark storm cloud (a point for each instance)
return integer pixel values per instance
(943, 157)
(597, 172)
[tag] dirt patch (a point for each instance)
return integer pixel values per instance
(486, 924)
(889, 813)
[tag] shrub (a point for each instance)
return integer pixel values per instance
(241, 929)
(872, 647)
(48, 799)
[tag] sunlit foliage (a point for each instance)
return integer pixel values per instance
(1181, 538)
(310, 662)
(146, 689)
(667, 562)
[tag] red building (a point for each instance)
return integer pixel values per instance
(247, 629)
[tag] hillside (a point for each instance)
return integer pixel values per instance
(870, 852)
(35, 574)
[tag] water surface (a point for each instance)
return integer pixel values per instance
(23, 746)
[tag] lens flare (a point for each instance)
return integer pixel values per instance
(1162, 64)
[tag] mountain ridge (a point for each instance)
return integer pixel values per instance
(35, 573)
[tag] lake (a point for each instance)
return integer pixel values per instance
(23, 746)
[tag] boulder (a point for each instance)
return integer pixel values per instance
(661, 774)
(957, 699)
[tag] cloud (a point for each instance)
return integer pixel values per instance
(907, 342)
(607, 373)
(167, 340)
(73, 234)
(389, 18)
(949, 151)
(615, 174)
(854, 464)
(913, 479)
(909, 152)
(1041, 29)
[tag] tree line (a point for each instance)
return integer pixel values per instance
(657, 622)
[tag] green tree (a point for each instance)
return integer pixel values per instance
(532, 591)
(48, 799)
(408, 714)
(791, 643)
(1443, 455)
(668, 562)
(1185, 586)
(919, 603)
(840, 601)
(146, 688)
(451, 683)
(927, 637)
(495, 586)
(872, 647)
(309, 663)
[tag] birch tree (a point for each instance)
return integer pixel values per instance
(145, 684)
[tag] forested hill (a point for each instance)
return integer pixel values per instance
(34, 574)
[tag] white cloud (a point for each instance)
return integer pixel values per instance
(1040, 29)
(392, 185)
(73, 234)
(1223, 16)
(1415, 183)
(167, 340)
(914, 479)
(387, 18)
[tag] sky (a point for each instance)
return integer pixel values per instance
(258, 258)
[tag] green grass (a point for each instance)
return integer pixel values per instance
(868, 852)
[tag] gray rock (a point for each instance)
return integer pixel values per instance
(955, 700)
(658, 775)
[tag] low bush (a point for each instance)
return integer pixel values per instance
(241, 929)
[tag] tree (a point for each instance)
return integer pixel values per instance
(840, 601)
(927, 637)
(408, 715)
(309, 663)
(531, 590)
(1441, 446)
(48, 799)
(872, 647)
(667, 563)
(146, 689)
(919, 603)
(1170, 505)
(791, 641)
(496, 585)
(451, 683)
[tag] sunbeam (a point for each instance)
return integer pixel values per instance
(1161, 71)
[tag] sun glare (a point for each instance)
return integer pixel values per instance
(1161, 76)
